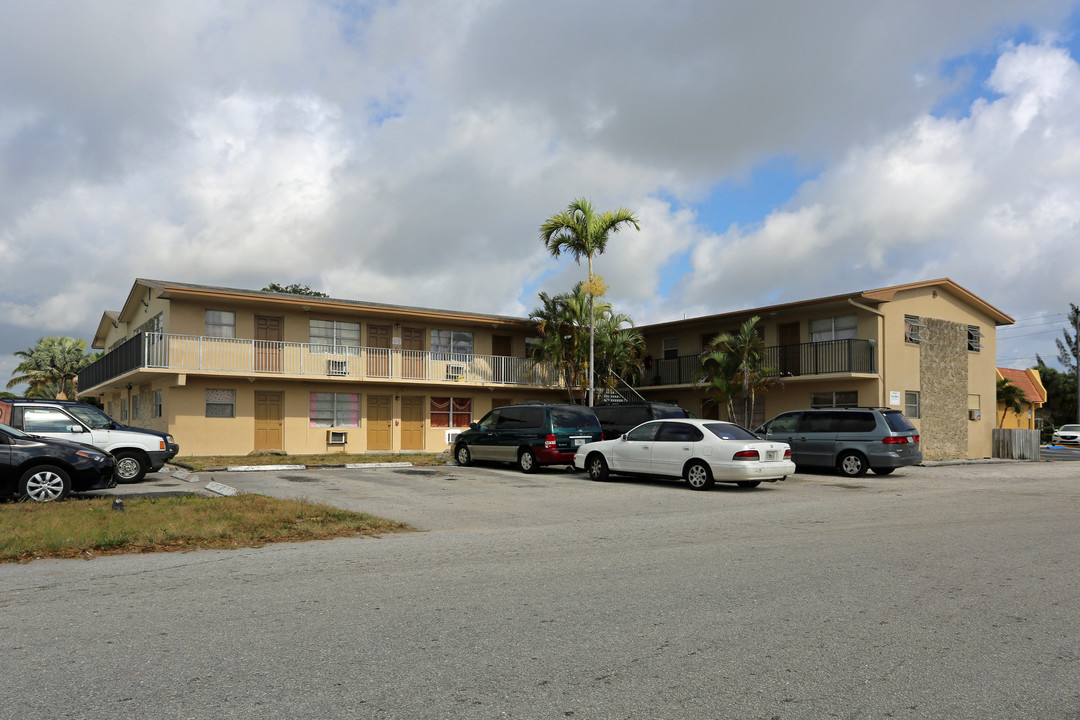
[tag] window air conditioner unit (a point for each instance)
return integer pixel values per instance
(451, 436)
(455, 372)
(974, 414)
(334, 437)
(337, 367)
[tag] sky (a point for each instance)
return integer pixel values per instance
(407, 152)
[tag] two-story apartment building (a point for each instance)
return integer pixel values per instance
(927, 348)
(230, 371)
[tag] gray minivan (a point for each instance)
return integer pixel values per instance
(530, 435)
(852, 440)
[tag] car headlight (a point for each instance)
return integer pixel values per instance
(169, 439)
(96, 457)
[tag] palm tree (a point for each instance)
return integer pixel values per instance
(51, 367)
(720, 380)
(1011, 396)
(746, 351)
(583, 232)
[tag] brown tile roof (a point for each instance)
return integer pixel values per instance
(1022, 380)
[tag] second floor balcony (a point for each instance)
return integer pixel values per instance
(812, 358)
(193, 353)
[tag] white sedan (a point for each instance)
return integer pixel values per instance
(1067, 435)
(701, 451)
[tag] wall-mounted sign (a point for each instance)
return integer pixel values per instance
(894, 397)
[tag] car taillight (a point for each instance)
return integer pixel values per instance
(549, 441)
(747, 455)
(902, 440)
(787, 454)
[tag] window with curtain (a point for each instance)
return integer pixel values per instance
(451, 412)
(220, 323)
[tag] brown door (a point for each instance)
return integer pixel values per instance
(268, 420)
(378, 422)
(412, 423)
(412, 353)
(268, 336)
(788, 335)
(501, 348)
(378, 342)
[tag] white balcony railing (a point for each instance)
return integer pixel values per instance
(184, 353)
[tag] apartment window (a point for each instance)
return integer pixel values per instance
(220, 323)
(327, 335)
(135, 407)
(455, 342)
(840, 399)
(911, 404)
(451, 412)
(153, 325)
(123, 410)
(973, 338)
(671, 348)
(913, 329)
(220, 403)
(334, 410)
(838, 327)
(157, 404)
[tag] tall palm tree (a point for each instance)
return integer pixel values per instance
(1011, 396)
(583, 232)
(51, 367)
(720, 379)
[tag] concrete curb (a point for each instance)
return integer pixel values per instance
(220, 489)
(361, 466)
(257, 468)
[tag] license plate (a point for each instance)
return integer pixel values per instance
(579, 441)
(772, 455)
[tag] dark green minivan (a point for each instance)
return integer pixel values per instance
(530, 435)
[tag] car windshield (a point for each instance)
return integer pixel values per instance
(573, 417)
(730, 431)
(1069, 428)
(91, 416)
(897, 422)
(671, 411)
(12, 431)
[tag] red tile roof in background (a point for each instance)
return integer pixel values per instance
(1022, 380)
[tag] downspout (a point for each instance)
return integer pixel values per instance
(880, 350)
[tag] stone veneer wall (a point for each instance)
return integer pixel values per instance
(943, 376)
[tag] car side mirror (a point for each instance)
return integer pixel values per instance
(623, 437)
(75, 429)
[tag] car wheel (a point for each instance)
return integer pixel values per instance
(597, 467)
(851, 464)
(44, 483)
(748, 483)
(882, 471)
(463, 456)
(527, 461)
(130, 467)
(699, 476)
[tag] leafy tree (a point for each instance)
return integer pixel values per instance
(51, 367)
(1011, 396)
(294, 289)
(1069, 351)
(744, 353)
(583, 232)
(720, 379)
(561, 323)
(1060, 406)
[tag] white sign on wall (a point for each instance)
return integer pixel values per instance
(894, 397)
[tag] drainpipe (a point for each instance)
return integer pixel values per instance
(881, 343)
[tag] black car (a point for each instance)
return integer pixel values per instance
(619, 419)
(44, 469)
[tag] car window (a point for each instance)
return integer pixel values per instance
(897, 422)
(516, 418)
(785, 423)
(856, 422)
(1069, 428)
(667, 411)
(13, 431)
(826, 421)
(730, 431)
(489, 420)
(573, 417)
(38, 420)
(643, 433)
(679, 432)
(91, 416)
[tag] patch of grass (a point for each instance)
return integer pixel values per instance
(215, 462)
(89, 527)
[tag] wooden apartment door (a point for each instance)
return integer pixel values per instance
(268, 337)
(379, 422)
(378, 342)
(412, 423)
(412, 353)
(268, 420)
(501, 347)
(788, 337)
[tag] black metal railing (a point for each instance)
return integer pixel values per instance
(812, 358)
(127, 356)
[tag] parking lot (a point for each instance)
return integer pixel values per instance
(935, 592)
